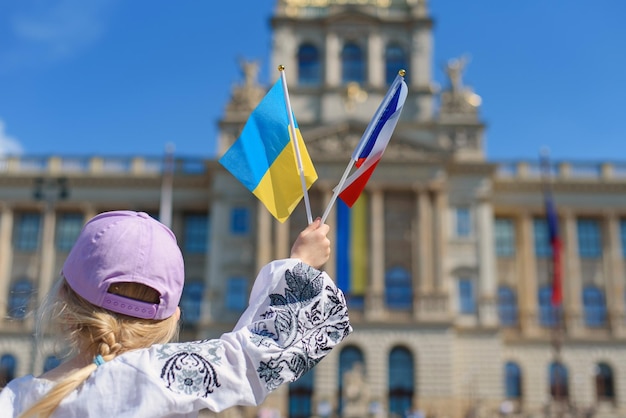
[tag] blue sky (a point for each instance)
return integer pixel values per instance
(126, 77)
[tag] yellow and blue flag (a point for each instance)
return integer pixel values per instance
(263, 158)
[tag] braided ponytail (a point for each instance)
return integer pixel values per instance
(95, 332)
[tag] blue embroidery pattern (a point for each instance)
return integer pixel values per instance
(304, 320)
(304, 325)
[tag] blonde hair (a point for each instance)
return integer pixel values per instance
(92, 331)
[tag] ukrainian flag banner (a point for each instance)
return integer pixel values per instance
(263, 158)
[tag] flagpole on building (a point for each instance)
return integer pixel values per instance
(294, 138)
(554, 272)
(165, 208)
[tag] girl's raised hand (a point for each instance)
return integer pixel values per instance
(312, 246)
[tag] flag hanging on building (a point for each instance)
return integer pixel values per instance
(263, 158)
(372, 145)
(556, 247)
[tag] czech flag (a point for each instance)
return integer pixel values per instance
(374, 141)
(556, 246)
(263, 158)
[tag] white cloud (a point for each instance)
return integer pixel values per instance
(48, 31)
(8, 145)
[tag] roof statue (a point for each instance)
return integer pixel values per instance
(247, 95)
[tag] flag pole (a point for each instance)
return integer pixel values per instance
(337, 190)
(294, 137)
(165, 207)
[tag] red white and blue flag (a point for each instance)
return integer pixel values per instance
(374, 141)
(557, 248)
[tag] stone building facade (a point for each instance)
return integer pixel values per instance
(444, 259)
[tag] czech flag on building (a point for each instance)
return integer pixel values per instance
(263, 158)
(556, 247)
(370, 149)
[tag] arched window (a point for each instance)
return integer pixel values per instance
(398, 289)
(507, 306)
(512, 380)
(8, 365)
(348, 359)
(548, 314)
(51, 362)
(395, 60)
(300, 396)
(19, 298)
(191, 302)
(559, 388)
(309, 66)
(400, 380)
(594, 306)
(605, 389)
(352, 63)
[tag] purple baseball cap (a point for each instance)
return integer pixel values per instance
(126, 246)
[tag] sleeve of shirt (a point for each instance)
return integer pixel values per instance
(296, 315)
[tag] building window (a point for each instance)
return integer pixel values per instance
(301, 396)
(505, 237)
(400, 378)
(309, 66)
(398, 289)
(352, 64)
(239, 221)
(543, 249)
(594, 306)
(68, 228)
(559, 388)
(236, 294)
(191, 302)
(26, 236)
(8, 364)
(463, 222)
(196, 233)
(507, 306)
(548, 314)
(467, 298)
(19, 298)
(589, 239)
(50, 363)
(512, 380)
(395, 60)
(605, 388)
(622, 228)
(350, 359)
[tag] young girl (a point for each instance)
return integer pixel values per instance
(117, 306)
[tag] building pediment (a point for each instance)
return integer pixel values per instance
(338, 141)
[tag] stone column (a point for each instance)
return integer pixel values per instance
(374, 303)
(264, 242)
(48, 251)
(572, 283)
(333, 70)
(487, 262)
(614, 284)
(6, 254)
(375, 60)
(526, 279)
(281, 234)
(424, 242)
(440, 205)
(420, 71)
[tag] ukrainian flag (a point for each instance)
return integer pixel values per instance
(263, 158)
